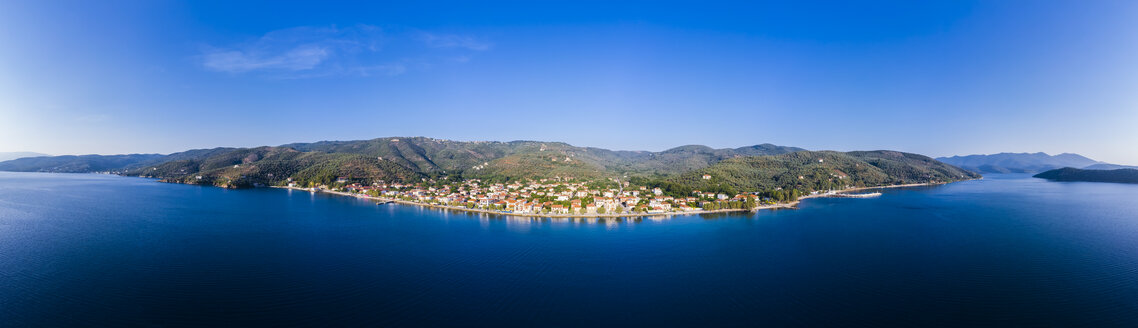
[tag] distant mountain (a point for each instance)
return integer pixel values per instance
(1073, 174)
(1018, 162)
(19, 154)
(77, 164)
(420, 158)
(100, 163)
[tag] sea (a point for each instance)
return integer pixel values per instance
(84, 250)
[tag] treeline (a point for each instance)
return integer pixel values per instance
(678, 171)
(807, 171)
(746, 204)
(1073, 174)
(781, 195)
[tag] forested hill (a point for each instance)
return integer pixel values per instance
(393, 159)
(100, 163)
(77, 164)
(1073, 174)
(808, 171)
(420, 158)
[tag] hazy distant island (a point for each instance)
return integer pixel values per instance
(1026, 162)
(528, 177)
(1072, 174)
(6, 156)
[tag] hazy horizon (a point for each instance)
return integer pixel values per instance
(575, 145)
(935, 78)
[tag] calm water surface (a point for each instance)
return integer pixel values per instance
(92, 250)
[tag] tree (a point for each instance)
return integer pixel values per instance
(710, 206)
(600, 210)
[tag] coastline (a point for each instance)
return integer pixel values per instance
(790, 205)
(540, 215)
(795, 203)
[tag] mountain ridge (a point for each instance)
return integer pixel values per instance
(417, 159)
(5, 156)
(1018, 162)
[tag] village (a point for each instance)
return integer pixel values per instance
(555, 196)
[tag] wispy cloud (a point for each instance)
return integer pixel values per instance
(362, 50)
(453, 41)
(304, 57)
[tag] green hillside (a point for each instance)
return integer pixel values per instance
(808, 171)
(679, 170)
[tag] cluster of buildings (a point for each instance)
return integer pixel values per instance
(544, 196)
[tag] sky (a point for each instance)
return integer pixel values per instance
(937, 78)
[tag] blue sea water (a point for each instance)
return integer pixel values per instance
(98, 250)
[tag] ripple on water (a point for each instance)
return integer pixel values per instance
(998, 252)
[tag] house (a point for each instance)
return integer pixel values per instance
(630, 200)
(657, 191)
(524, 207)
(707, 177)
(610, 205)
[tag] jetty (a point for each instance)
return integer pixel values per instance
(864, 195)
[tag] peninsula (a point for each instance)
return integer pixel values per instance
(529, 177)
(1073, 174)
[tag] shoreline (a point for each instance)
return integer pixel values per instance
(795, 203)
(540, 215)
(790, 205)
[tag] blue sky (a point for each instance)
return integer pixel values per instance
(937, 78)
